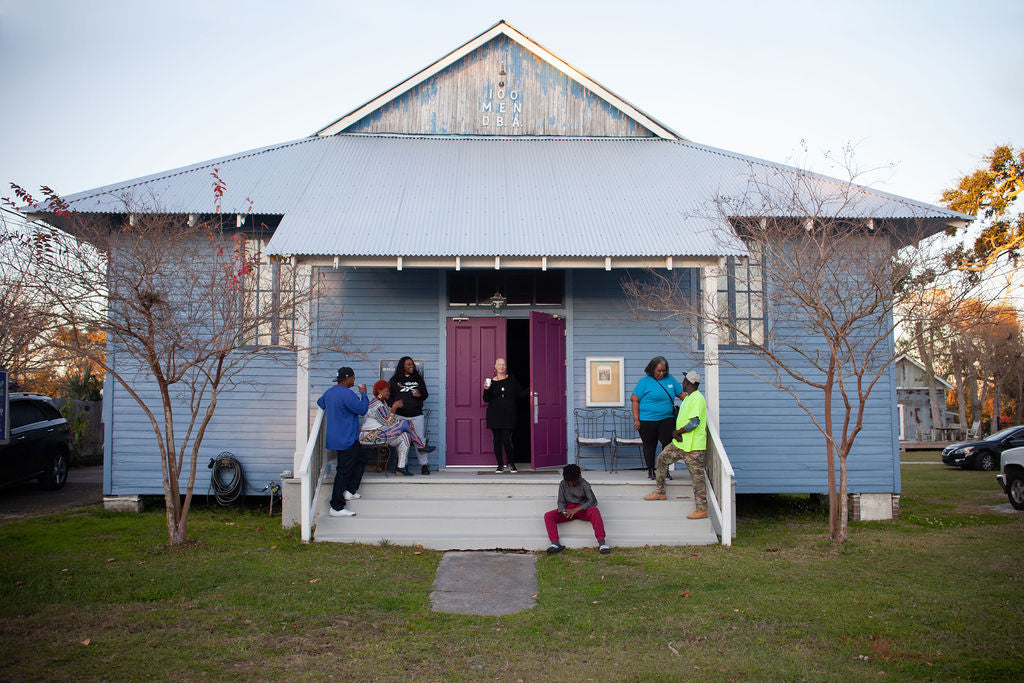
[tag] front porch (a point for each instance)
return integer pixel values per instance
(471, 509)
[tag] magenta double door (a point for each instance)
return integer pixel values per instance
(472, 347)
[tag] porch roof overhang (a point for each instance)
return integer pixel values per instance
(498, 262)
(405, 201)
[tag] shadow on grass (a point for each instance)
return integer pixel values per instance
(774, 506)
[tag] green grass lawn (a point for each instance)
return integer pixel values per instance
(936, 595)
(922, 456)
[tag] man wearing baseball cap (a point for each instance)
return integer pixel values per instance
(341, 421)
(690, 441)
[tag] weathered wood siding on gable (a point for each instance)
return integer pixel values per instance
(387, 314)
(255, 421)
(473, 97)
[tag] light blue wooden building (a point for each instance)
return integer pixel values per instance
(498, 167)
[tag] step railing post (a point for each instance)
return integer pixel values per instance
(311, 476)
(721, 484)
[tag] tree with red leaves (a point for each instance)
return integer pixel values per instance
(175, 298)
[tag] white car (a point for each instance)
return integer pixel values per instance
(1011, 476)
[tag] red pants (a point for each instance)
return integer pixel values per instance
(553, 518)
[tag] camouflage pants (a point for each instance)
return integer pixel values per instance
(694, 462)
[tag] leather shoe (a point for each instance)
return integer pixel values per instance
(698, 514)
(654, 495)
(425, 469)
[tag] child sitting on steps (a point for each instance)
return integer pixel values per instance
(576, 500)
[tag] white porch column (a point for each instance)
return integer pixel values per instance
(303, 323)
(712, 334)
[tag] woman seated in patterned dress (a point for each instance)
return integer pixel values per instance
(382, 424)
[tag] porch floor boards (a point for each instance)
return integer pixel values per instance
(462, 509)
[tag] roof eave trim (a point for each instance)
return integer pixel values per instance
(503, 262)
(501, 28)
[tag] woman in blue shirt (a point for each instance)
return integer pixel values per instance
(653, 401)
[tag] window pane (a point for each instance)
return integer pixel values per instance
(520, 288)
(461, 287)
(490, 282)
(741, 273)
(742, 305)
(755, 279)
(550, 287)
(757, 332)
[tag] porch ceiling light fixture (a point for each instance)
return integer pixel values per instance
(498, 302)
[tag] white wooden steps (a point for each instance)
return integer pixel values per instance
(466, 510)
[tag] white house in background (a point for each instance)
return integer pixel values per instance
(915, 413)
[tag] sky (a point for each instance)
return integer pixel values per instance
(108, 90)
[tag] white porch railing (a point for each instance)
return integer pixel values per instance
(311, 476)
(721, 484)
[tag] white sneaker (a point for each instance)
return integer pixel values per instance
(352, 496)
(345, 512)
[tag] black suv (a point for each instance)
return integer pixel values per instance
(40, 443)
(983, 454)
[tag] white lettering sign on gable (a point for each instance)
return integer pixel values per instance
(501, 110)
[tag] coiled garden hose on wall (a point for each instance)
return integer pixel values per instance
(227, 479)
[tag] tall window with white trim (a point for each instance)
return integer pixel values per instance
(741, 292)
(271, 284)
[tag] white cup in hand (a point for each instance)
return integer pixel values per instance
(487, 383)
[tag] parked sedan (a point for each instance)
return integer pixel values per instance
(983, 454)
(39, 445)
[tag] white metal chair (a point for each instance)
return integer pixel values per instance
(591, 432)
(624, 435)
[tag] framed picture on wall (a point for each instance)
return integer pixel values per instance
(388, 365)
(605, 383)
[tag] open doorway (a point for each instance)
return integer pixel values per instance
(517, 355)
(535, 351)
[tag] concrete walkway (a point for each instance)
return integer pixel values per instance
(485, 583)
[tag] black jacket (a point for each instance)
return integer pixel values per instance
(401, 388)
(501, 399)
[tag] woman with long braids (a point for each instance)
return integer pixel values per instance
(407, 386)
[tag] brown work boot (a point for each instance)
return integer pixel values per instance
(698, 514)
(654, 495)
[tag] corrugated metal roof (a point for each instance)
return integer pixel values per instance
(388, 195)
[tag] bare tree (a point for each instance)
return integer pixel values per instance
(185, 302)
(951, 341)
(23, 319)
(815, 302)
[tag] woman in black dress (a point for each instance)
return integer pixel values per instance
(501, 393)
